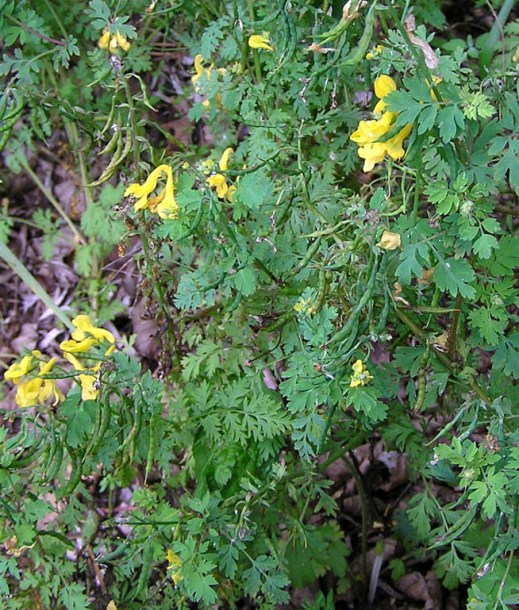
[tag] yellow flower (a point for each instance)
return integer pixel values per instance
(89, 383)
(372, 153)
(78, 346)
(260, 41)
(164, 204)
(395, 145)
(515, 57)
(85, 327)
(85, 337)
(104, 41)
(360, 375)
(370, 131)
(389, 241)
(219, 182)
(383, 85)
(199, 68)
(39, 391)
(17, 370)
(112, 42)
(175, 566)
(374, 137)
(376, 51)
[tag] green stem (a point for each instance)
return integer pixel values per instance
(503, 581)
(442, 357)
(415, 52)
(25, 27)
(52, 200)
(353, 465)
(495, 34)
(33, 284)
(162, 301)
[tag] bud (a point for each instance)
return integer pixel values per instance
(389, 241)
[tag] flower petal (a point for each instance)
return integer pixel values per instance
(258, 41)
(383, 85)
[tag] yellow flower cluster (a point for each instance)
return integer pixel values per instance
(164, 203)
(218, 181)
(376, 51)
(360, 375)
(376, 138)
(174, 566)
(35, 389)
(112, 42)
(86, 338)
(199, 72)
(30, 375)
(305, 306)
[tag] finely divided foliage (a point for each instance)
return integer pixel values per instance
(319, 202)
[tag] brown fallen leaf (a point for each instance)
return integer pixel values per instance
(431, 61)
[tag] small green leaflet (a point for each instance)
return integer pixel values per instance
(450, 119)
(454, 276)
(254, 189)
(491, 323)
(412, 259)
(506, 356)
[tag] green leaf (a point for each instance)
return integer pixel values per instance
(427, 118)
(422, 509)
(99, 221)
(491, 323)
(254, 189)
(484, 245)
(450, 120)
(454, 276)
(412, 260)
(365, 401)
(99, 13)
(509, 164)
(245, 280)
(506, 259)
(212, 35)
(506, 356)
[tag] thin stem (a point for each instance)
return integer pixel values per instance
(353, 464)
(162, 301)
(503, 581)
(33, 284)
(454, 328)
(25, 27)
(53, 201)
(57, 19)
(442, 357)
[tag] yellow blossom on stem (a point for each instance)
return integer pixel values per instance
(389, 241)
(113, 41)
(89, 383)
(395, 145)
(17, 370)
(377, 138)
(219, 182)
(260, 41)
(383, 85)
(370, 131)
(39, 390)
(84, 327)
(85, 338)
(164, 204)
(376, 51)
(174, 566)
(360, 375)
